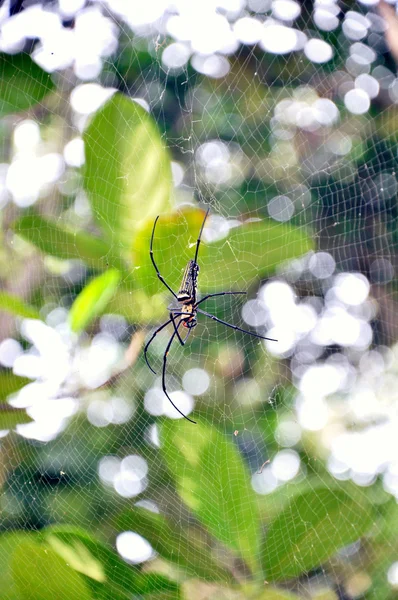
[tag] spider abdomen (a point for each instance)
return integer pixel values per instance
(189, 283)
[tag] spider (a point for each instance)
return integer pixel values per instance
(186, 313)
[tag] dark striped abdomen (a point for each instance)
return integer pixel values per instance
(187, 292)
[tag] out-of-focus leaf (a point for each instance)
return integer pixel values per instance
(387, 529)
(52, 239)
(60, 548)
(10, 417)
(137, 307)
(10, 384)
(311, 528)
(127, 174)
(157, 586)
(9, 542)
(272, 593)
(93, 299)
(77, 555)
(40, 574)
(14, 305)
(249, 252)
(93, 559)
(172, 543)
(213, 481)
(70, 499)
(270, 505)
(22, 83)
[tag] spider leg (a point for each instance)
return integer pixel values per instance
(150, 341)
(187, 336)
(164, 377)
(154, 263)
(202, 312)
(177, 314)
(176, 328)
(219, 294)
(160, 329)
(200, 236)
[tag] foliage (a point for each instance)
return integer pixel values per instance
(23, 83)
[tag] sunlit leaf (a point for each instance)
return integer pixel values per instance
(174, 245)
(93, 299)
(54, 240)
(137, 307)
(10, 417)
(22, 83)
(92, 558)
(127, 174)
(311, 528)
(213, 481)
(10, 384)
(248, 253)
(15, 306)
(171, 542)
(77, 555)
(40, 574)
(9, 542)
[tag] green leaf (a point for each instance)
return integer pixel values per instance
(249, 252)
(137, 307)
(93, 299)
(272, 593)
(22, 83)
(172, 543)
(173, 246)
(127, 174)
(311, 528)
(52, 239)
(92, 558)
(77, 556)
(387, 529)
(14, 305)
(10, 417)
(157, 586)
(10, 384)
(39, 574)
(9, 542)
(213, 481)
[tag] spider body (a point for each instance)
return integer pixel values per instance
(188, 318)
(186, 313)
(189, 283)
(187, 295)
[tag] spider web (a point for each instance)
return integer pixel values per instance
(293, 125)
